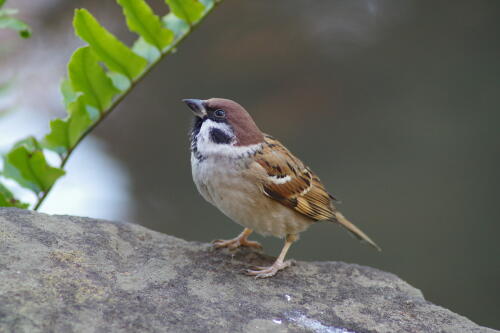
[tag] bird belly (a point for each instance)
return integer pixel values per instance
(225, 185)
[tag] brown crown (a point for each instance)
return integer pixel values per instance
(245, 129)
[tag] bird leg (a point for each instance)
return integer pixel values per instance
(234, 243)
(279, 264)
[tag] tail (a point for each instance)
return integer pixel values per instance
(354, 230)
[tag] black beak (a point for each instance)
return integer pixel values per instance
(197, 106)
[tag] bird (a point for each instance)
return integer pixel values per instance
(256, 181)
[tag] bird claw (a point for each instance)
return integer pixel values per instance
(235, 243)
(264, 272)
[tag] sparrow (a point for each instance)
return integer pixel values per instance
(255, 180)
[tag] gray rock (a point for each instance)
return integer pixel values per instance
(72, 274)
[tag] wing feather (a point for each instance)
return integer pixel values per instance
(302, 190)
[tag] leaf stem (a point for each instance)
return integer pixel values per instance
(121, 97)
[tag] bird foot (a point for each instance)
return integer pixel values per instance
(235, 243)
(265, 272)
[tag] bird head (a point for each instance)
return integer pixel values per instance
(220, 124)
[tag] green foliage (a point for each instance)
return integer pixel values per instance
(58, 138)
(188, 10)
(25, 163)
(7, 199)
(146, 50)
(9, 22)
(142, 20)
(68, 94)
(116, 55)
(100, 75)
(89, 78)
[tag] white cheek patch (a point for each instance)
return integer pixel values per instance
(207, 147)
(204, 134)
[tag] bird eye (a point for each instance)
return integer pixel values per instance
(220, 113)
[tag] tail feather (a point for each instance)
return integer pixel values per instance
(355, 230)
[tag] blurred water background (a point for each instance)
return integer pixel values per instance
(395, 104)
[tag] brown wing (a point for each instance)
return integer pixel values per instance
(293, 184)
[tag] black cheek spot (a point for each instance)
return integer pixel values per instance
(219, 137)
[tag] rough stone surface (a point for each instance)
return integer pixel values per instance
(72, 274)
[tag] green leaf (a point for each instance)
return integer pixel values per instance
(188, 10)
(8, 22)
(116, 55)
(16, 166)
(57, 139)
(177, 25)
(30, 169)
(120, 81)
(2, 2)
(46, 174)
(69, 95)
(79, 121)
(208, 4)
(146, 50)
(30, 143)
(65, 134)
(7, 198)
(141, 19)
(88, 77)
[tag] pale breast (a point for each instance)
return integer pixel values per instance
(225, 184)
